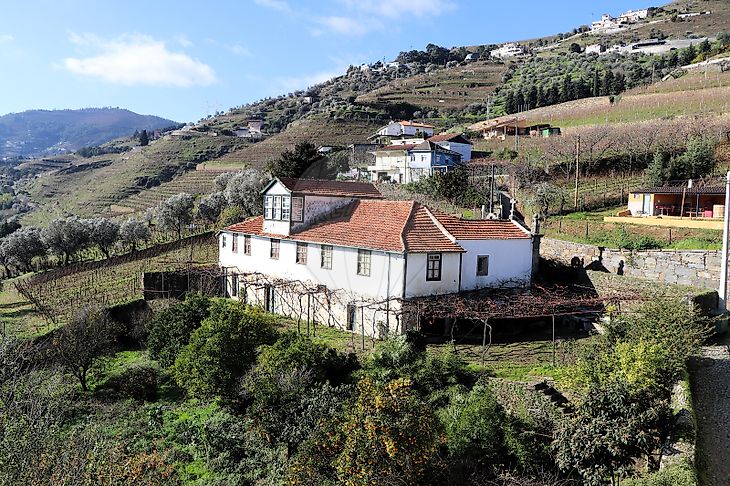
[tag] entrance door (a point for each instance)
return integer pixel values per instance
(269, 296)
(647, 205)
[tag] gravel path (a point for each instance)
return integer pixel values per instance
(710, 377)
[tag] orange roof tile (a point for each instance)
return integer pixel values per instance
(421, 234)
(481, 229)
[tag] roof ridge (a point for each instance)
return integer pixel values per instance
(409, 220)
(439, 225)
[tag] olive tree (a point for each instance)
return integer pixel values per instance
(22, 246)
(175, 213)
(104, 234)
(132, 232)
(211, 206)
(244, 190)
(67, 236)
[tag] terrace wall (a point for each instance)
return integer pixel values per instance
(694, 268)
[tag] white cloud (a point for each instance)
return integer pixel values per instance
(238, 49)
(398, 8)
(279, 5)
(135, 59)
(346, 26)
(6, 38)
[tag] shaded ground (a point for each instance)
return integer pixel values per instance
(710, 378)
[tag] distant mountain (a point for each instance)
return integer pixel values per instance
(45, 132)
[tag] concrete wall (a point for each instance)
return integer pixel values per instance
(695, 268)
(510, 263)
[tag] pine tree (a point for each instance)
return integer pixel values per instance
(509, 103)
(519, 101)
(619, 84)
(144, 138)
(540, 97)
(567, 91)
(531, 97)
(688, 55)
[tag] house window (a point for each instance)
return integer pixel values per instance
(326, 256)
(363, 262)
(277, 207)
(302, 253)
(268, 207)
(433, 267)
(285, 208)
(223, 241)
(246, 245)
(234, 245)
(413, 158)
(483, 265)
(297, 208)
(274, 249)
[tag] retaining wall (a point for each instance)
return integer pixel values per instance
(694, 268)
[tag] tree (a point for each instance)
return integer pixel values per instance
(175, 213)
(132, 232)
(89, 335)
(657, 169)
(144, 139)
(688, 55)
(243, 190)
(302, 162)
(608, 431)
(509, 103)
(451, 184)
(576, 48)
(170, 329)
(104, 234)
(22, 246)
(67, 236)
(210, 207)
(222, 349)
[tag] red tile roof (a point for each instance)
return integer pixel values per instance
(321, 187)
(445, 137)
(399, 226)
(423, 235)
(415, 124)
(481, 229)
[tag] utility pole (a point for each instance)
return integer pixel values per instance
(722, 291)
(577, 171)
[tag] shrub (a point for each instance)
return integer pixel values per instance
(170, 330)
(138, 382)
(222, 349)
(679, 474)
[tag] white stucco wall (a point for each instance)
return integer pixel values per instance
(510, 262)
(342, 276)
(418, 286)
(315, 207)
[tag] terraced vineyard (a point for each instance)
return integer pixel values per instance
(194, 182)
(318, 130)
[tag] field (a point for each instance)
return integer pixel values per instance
(113, 282)
(90, 188)
(453, 88)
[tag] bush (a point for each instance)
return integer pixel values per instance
(138, 382)
(170, 330)
(223, 348)
(679, 474)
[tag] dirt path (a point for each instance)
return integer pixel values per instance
(710, 377)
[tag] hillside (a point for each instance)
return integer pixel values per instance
(41, 132)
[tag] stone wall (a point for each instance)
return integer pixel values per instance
(694, 268)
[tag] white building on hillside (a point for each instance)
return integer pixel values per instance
(455, 142)
(507, 50)
(409, 160)
(405, 129)
(338, 254)
(633, 16)
(606, 24)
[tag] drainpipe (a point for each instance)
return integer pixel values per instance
(722, 291)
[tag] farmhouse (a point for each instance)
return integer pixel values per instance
(408, 161)
(507, 50)
(336, 253)
(512, 126)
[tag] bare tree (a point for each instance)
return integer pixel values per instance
(89, 335)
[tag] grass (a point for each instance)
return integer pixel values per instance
(18, 317)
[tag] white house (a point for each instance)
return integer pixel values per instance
(405, 162)
(455, 142)
(633, 16)
(606, 24)
(405, 129)
(507, 50)
(595, 49)
(335, 252)
(252, 130)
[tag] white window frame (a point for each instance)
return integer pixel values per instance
(285, 208)
(325, 259)
(482, 273)
(246, 244)
(269, 207)
(364, 262)
(234, 243)
(301, 253)
(275, 245)
(277, 208)
(434, 265)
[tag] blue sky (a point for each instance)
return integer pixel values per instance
(184, 59)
